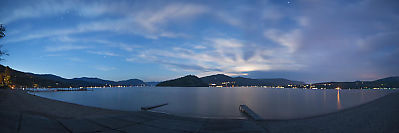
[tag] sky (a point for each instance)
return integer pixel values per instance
(305, 40)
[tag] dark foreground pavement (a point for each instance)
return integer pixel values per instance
(136, 122)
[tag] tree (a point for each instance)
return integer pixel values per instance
(2, 35)
(2, 30)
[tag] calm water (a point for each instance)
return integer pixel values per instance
(269, 103)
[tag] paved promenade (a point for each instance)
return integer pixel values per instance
(21, 112)
(137, 122)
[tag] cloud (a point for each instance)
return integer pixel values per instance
(318, 39)
(75, 59)
(199, 47)
(152, 19)
(120, 45)
(104, 68)
(221, 56)
(229, 19)
(349, 43)
(33, 10)
(42, 8)
(290, 40)
(66, 47)
(147, 21)
(111, 44)
(104, 53)
(272, 13)
(41, 34)
(340, 39)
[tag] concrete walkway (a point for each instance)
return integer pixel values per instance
(136, 122)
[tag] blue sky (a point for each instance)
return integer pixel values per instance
(307, 40)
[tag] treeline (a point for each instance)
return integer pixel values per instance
(390, 82)
(226, 81)
(10, 78)
(221, 80)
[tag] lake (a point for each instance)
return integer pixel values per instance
(269, 103)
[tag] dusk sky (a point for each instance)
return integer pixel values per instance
(307, 40)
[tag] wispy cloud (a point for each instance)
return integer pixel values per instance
(151, 20)
(104, 68)
(75, 59)
(41, 34)
(228, 18)
(148, 22)
(290, 39)
(41, 8)
(67, 47)
(235, 37)
(106, 43)
(104, 53)
(120, 45)
(222, 56)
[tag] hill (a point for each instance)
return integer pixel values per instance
(95, 81)
(224, 80)
(186, 81)
(227, 81)
(17, 79)
(152, 83)
(102, 82)
(131, 82)
(390, 82)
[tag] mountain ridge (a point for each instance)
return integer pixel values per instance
(17, 79)
(221, 80)
(186, 81)
(227, 81)
(388, 82)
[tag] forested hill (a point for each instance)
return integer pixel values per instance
(186, 81)
(390, 82)
(130, 82)
(17, 79)
(226, 81)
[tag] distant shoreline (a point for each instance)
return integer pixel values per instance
(20, 79)
(212, 87)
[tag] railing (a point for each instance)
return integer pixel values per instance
(152, 107)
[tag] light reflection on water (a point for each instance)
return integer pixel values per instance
(338, 101)
(269, 103)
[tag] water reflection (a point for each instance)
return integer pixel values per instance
(338, 101)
